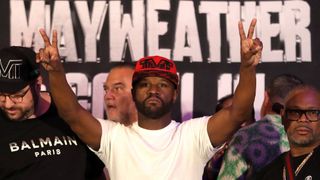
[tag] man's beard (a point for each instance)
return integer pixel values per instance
(303, 142)
(151, 112)
(20, 116)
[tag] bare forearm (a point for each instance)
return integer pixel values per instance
(63, 95)
(244, 95)
(224, 123)
(80, 120)
(228, 120)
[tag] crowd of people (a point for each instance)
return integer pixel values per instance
(51, 136)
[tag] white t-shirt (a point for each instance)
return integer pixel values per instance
(178, 151)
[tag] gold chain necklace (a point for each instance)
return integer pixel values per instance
(296, 172)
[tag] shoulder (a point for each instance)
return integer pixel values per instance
(272, 169)
(109, 124)
(194, 124)
(199, 120)
(259, 137)
(317, 151)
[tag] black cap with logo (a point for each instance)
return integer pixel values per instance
(18, 68)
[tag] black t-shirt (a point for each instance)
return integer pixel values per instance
(44, 148)
(311, 169)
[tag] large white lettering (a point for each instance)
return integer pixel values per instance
(91, 26)
(140, 31)
(23, 30)
(156, 28)
(213, 11)
(126, 32)
(187, 42)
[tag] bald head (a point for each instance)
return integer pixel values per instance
(118, 100)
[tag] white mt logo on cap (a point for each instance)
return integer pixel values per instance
(11, 70)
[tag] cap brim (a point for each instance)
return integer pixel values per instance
(12, 86)
(137, 76)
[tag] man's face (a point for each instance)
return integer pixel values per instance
(303, 133)
(17, 106)
(154, 96)
(118, 99)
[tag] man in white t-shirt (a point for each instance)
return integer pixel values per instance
(155, 147)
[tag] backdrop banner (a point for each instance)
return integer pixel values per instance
(201, 36)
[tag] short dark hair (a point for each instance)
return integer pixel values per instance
(279, 88)
(281, 85)
(220, 102)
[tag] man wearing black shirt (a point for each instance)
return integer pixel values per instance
(301, 119)
(35, 143)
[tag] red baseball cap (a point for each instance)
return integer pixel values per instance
(155, 66)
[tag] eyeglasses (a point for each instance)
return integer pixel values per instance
(295, 114)
(16, 98)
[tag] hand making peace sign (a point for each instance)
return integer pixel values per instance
(250, 48)
(49, 55)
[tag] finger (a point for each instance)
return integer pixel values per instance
(55, 39)
(45, 37)
(255, 50)
(43, 56)
(258, 57)
(38, 58)
(251, 28)
(256, 46)
(241, 31)
(257, 42)
(40, 55)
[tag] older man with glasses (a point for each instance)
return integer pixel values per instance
(35, 143)
(301, 119)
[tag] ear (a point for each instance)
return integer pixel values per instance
(133, 94)
(175, 95)
(283, 119)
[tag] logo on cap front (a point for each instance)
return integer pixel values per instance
(11, 70)
(150, 63)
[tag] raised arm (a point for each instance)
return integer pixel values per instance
(80, 120)
(223, 124)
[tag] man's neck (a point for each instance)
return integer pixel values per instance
(299, 151)
(154, 124)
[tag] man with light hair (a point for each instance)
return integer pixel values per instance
(118, 99)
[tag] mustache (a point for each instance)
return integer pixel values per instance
(153, 95)
(303, 126)
(9, 109)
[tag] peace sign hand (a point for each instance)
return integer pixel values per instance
(49, 55)
(250, 48)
